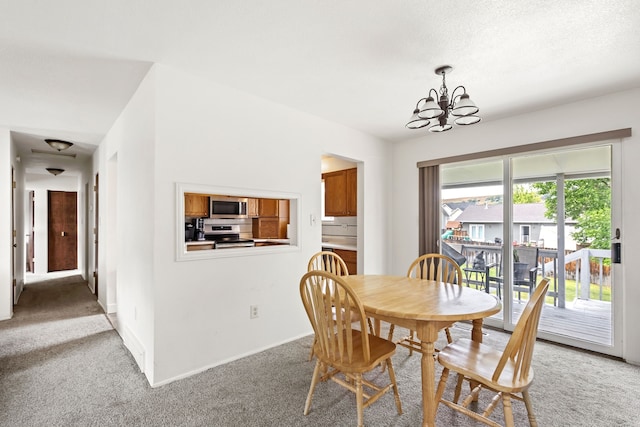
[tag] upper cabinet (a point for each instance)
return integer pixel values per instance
(341, 192)
(268, 207)
(252, 207)
(196, 205)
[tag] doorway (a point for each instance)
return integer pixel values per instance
(62, 233)
(540, 209)
(341, 213)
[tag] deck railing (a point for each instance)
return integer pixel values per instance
(585, 265)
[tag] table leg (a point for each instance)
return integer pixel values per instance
(428, 334)
(476, 335)
(476, 332)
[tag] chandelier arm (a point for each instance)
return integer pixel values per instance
(435, 91)
(453, 94)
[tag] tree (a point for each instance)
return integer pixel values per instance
(588, 201)
(522, 194)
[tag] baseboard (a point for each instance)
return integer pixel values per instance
(134, 346)
(225, 361)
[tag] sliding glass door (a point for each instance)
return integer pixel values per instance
(554, 222)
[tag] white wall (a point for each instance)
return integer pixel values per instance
(125, 163)
(600, 114)
(191, 315)
(18, 204)
(6, 287)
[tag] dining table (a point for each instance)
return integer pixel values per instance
(424, 306)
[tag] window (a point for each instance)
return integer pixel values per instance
(476, 232)
(525, 233)
(254, 222)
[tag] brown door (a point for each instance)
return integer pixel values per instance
(63, 231)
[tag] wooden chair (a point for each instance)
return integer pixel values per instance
(341, 348)
(328, 261)
(506, 373)
(436, 267)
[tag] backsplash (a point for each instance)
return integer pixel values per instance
(246, 227)
(340, 227)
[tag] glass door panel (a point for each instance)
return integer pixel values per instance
(471, 221)
(565, 199)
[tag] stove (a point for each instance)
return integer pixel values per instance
(227, 236)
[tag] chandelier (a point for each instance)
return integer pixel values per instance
(460, 107)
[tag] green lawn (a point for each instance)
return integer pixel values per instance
(570, 291)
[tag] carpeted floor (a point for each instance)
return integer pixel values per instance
(62, 364)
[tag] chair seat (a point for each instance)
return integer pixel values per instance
(478, 362)
(380, 350)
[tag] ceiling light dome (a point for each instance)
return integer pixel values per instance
(58, 144)
(55, 171)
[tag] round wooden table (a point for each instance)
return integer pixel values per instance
(426, 307)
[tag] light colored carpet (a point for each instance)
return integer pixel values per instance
(61, 364)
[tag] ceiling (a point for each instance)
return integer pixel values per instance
(68, 68)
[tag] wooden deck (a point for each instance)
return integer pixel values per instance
(588, 320)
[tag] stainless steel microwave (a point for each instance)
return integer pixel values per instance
(228, 207)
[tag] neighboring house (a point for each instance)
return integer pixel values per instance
(483, 223)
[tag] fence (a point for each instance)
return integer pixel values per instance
(585, 266)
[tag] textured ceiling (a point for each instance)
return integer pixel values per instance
(67, 68)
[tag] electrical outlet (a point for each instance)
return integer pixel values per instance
(253, 311)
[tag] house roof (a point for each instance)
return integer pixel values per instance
(522, 214)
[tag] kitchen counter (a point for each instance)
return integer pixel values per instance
(344, 246)
(197, 245)
(199, 242)
(275, 241)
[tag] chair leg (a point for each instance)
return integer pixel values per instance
(396, 394)
(441, 385)
(411, 349)
(508, 412)
(458, 389)
(529, 406)
(312, 348)
(359, 400)
(391, 328)
(314, 382)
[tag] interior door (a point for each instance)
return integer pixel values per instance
(63, 231)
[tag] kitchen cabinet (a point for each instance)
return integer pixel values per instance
(283, 218)
(350, 258)
(341, 192)
(196, 205)
(252, 207)
(265, 227)
(268, 207)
